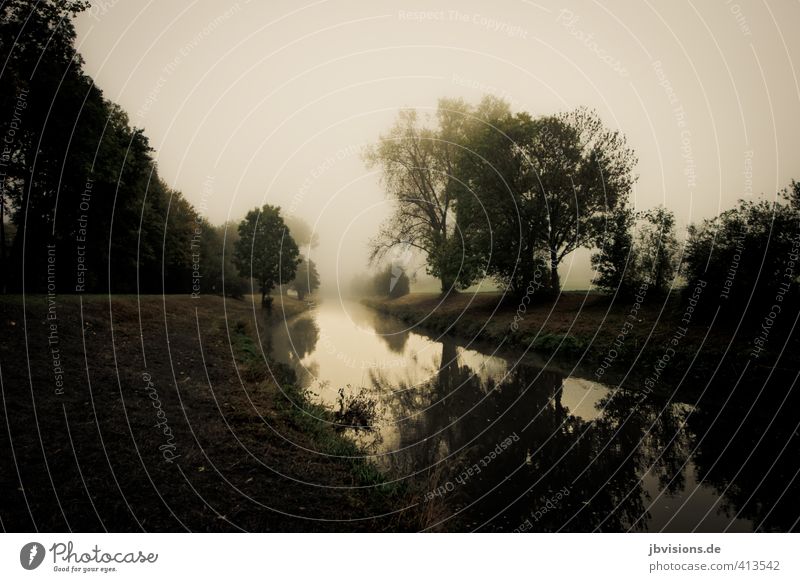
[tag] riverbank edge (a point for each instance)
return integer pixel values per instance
(372, 492)
(603, 357)
(296, 405)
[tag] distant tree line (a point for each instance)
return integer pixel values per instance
(746, 260)
(82, 205)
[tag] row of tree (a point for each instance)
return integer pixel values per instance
(749, 258)
(745, 259)
(82, 206)
(484, 192)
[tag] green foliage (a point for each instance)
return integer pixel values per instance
(95, 193)
(50, 111)
(417, 164)
(658, 247)
(636, 249)
(745, 254)
(265, 250)
(536, 189)
(616, 262)
(219, 274)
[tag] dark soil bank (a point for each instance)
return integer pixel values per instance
(653, 344)
(161, 414)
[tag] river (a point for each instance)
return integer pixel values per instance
(512, 442)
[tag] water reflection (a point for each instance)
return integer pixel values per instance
(387, 330)
(498, 444)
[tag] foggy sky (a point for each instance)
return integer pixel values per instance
(250, 102)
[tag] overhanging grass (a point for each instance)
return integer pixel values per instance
(313, 419)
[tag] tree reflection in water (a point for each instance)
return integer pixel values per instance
(454, 421)
(584, 457)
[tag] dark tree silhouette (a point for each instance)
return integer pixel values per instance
(418, 165)
(536, 189)
(658, 247)
(616, 261)
(91, 214)
(745, 254)
(265, 250)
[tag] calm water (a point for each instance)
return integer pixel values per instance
(505, 441)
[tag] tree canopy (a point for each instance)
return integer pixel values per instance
(265, 251)
(483, 191)
(88, 210)
(539, 188)
(417, 164)
(747, 254)
(636, 250)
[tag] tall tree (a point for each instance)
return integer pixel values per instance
(418, 164)
(497, 201)
(582, 169)
(77, 179)
(265, 251)
(616, 261)
(658, 246)
(536, 189)
(42, 91)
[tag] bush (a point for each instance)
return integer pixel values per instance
(745, 254)
(356, 411)
(636, 248)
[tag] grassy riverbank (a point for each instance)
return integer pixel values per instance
(608, 340)
(157, 413)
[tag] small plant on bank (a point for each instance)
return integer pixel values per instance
(356, 411)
